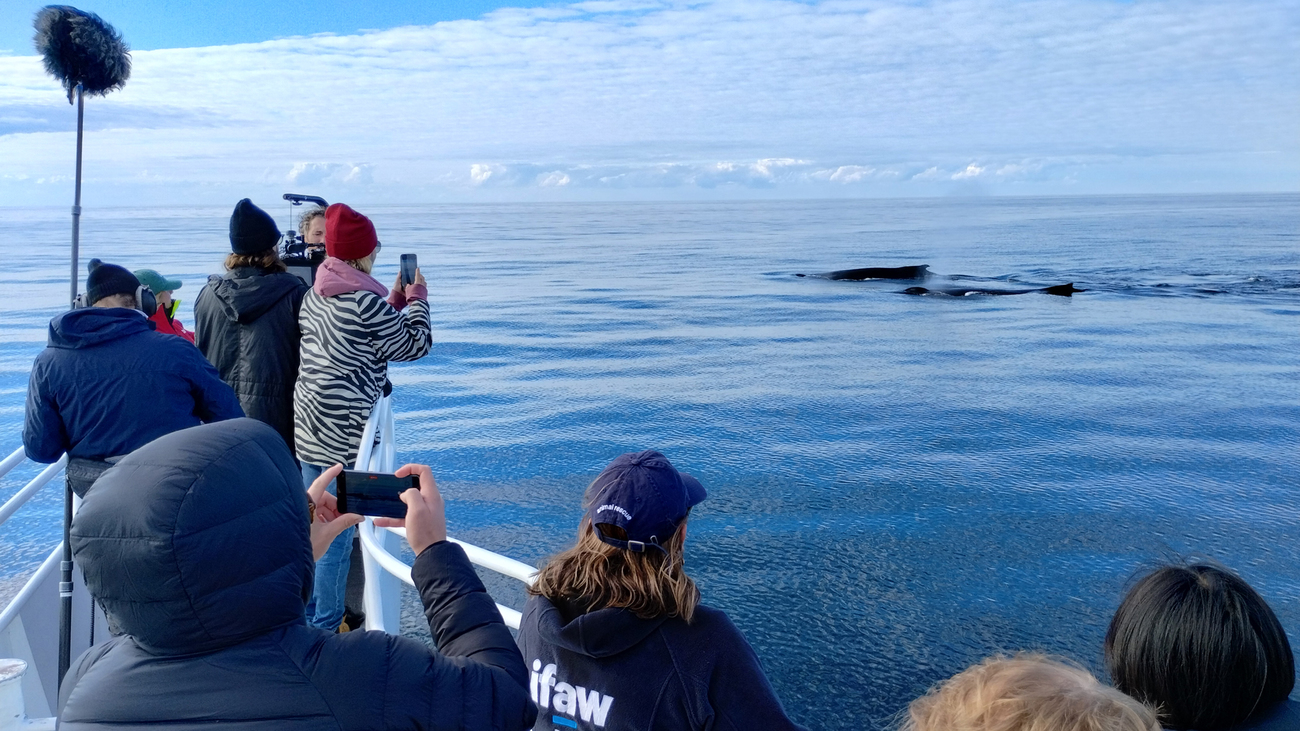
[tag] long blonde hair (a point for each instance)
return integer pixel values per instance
(596, 575)
(1028, 692)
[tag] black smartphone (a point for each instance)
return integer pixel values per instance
(373, 494)
(408, 269)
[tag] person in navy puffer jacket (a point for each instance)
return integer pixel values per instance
(107, 383)
(197, 546)
(614, 632)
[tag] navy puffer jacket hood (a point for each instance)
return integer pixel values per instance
(91, 326)
(199, 540)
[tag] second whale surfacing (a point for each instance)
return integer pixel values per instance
(922, 272)
(1062, 290)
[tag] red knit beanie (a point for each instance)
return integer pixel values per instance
(348, 234)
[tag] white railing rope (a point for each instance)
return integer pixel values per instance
(503, 565)
(25, 494)
(396, 567)
(13, 460)
(47, 569)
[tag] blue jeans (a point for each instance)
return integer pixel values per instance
(325, 610)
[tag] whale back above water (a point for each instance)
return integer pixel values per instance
(919, 271)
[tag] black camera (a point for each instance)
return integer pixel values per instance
(300, 257)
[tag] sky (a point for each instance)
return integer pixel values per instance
(652, 100)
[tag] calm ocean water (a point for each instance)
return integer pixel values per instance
(899, 486)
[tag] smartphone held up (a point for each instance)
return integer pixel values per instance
(373, 494)
(409, 266)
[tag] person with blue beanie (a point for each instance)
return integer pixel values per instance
(613, 632)
(107, 383)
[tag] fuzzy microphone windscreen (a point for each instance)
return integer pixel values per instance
(80, 48)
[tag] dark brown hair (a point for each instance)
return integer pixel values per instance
(595, 575)
(268, 261)
(1200, 644)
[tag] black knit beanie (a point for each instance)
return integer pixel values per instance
(106, 280)
(252, 230)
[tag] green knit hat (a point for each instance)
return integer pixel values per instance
(157, 282)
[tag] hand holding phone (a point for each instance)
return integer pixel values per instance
(409, 268)
(426, 518)
(373, 494)
(328, 522)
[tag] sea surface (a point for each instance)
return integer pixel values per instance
(898, 485)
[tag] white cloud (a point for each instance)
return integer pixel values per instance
(760, 97)
(318, 173)
(480, 172)
(553, 179)
(844, 174)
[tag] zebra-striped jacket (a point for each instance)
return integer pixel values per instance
(348, 338)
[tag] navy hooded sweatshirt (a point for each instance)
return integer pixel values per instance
(609, 669)
(197, 548)
(107, 384)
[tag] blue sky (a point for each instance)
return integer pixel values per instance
(192, 23)
(657, 99)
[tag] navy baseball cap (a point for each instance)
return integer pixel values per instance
(642, 493)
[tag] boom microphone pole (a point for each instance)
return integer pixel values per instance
(88, 57)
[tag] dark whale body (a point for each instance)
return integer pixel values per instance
(1063, 290)
(920, 271)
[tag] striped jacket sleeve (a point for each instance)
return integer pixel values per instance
(400, 336)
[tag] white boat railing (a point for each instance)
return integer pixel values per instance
(29, 629)
(22, 496)
(385, 572)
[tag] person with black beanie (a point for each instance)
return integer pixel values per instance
(246, 322)
(107, 383)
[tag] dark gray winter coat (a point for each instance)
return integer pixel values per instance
(197, 546)
(246, 324)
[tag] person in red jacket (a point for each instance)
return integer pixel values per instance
(164, 317)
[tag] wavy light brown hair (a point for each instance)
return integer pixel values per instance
(1028, 692)
(309, 215)
(595, 575)
(268, 261)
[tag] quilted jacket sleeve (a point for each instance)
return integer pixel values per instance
(45, 438)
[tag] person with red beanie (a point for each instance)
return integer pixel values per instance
(350, 332)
